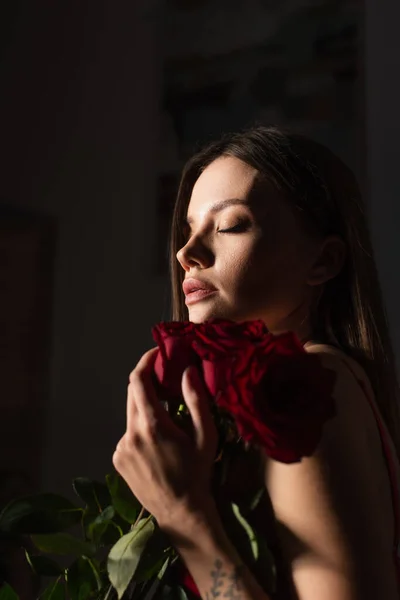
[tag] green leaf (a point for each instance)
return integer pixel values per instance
(42, 565)
(55, 591)
(100, 528)
(157, 582)
(257, 498)
(163, 569)
(157, 550)
(124, 502)
(249, 531)
(93, 493)
(259, 557)
(106, 534)
(7, 593)
(63, 543)
(107, 514)
(180, 593)
(92, 519)
(102, 520)
(267, 567)
(39, 513)
(124, 557)
(83, 578)
(175, 592)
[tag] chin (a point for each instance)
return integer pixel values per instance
(200, 314)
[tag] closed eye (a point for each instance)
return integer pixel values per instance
(239, 228)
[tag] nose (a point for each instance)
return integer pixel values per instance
(194, 254)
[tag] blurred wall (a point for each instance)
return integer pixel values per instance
(79, 127)
(382, 134)
(292, 63)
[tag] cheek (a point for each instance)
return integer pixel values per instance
(238, 267)
(244, 274)
(272, 271)
(234, 258)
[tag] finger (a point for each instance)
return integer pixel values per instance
(119, 454)
(146, 363)
(142, 399)
(120, 445)
(131, 409)
(196, 399)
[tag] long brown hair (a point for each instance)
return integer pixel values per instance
(324, 191)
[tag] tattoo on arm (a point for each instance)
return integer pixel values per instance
(225, 585)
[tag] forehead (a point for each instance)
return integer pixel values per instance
(225, 178)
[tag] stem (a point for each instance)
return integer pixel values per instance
(110, 589)
(140, 515)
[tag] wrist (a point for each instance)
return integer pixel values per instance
(192, 525)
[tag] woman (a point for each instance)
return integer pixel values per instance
(269, 225)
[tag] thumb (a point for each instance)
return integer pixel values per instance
(197, 399)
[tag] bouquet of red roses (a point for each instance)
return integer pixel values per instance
(278, 394)
(266, 393)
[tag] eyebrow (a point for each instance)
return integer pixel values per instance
(219, 206)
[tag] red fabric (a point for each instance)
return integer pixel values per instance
(184, 578)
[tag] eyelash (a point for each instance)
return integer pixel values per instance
(239, 228)
(235, 229)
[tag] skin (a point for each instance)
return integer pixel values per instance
(333, 509)
(261, 267)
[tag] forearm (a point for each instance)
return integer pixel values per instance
(212, 559)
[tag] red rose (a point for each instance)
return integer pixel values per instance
(281, 399)
(176, 353)
(181, 343)
(218, 342)
(217, 338)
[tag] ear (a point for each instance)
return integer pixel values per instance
(328, 261)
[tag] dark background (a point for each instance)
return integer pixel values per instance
(100, 104)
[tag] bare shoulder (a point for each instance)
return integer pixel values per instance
(352, 394)
(348, 370)
(334, 508)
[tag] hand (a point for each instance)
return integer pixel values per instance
(167, 471)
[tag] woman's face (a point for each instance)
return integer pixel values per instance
(246, 256)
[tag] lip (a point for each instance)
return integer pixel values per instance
(196, 290)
